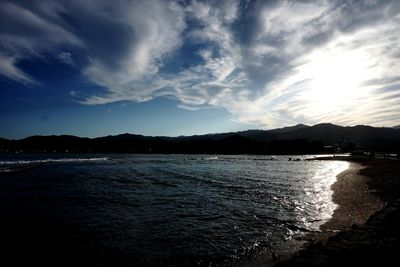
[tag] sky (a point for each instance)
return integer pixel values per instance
(157, 67)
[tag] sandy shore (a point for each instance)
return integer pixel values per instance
(355, 203)
(366, 222)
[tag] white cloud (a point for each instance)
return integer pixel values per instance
(322, 62)
(271, 64)
(66, 58)
(8, 69)
(202, 85)
(157, 26)
(27, 35)
(325, 78)
(331, 81)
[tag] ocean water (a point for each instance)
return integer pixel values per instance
(160, 210)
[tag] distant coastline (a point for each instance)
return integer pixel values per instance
(299, 139)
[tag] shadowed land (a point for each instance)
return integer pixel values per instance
(299, 139)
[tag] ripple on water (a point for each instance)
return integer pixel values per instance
(176, 209)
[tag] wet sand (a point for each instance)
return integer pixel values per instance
(364, 230)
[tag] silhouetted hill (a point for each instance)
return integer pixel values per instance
(299, 139)
(364, 136)
(289, 129)
(259, 135)
(232, 144)
(52, 143)
(4, 143)
(325, 132)
(131, 143)
(216, 136)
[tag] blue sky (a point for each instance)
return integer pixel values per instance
(155, 67)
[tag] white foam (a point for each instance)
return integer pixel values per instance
(24, 162)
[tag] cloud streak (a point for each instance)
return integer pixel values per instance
(269, 63)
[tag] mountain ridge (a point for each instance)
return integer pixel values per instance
(293, 139)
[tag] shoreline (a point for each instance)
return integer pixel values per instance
(355, 203)
(365, 193)
(364, 228)
(355, 206)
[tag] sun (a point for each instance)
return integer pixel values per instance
(335, 78)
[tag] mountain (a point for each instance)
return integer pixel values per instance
(131, 143)
(385, 139)
(259, 135)
(289, 129)
(298, 139)
(4, 143)
(396, 127)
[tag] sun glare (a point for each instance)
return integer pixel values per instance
(335, 79)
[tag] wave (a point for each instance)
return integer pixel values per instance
(19, 162)
(18, 165)
(208, 158)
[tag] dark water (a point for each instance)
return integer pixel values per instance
(156, 210)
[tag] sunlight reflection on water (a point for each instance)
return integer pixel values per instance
(321, 196)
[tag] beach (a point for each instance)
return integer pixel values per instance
(364, 228)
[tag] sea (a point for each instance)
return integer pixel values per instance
(159, 210)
